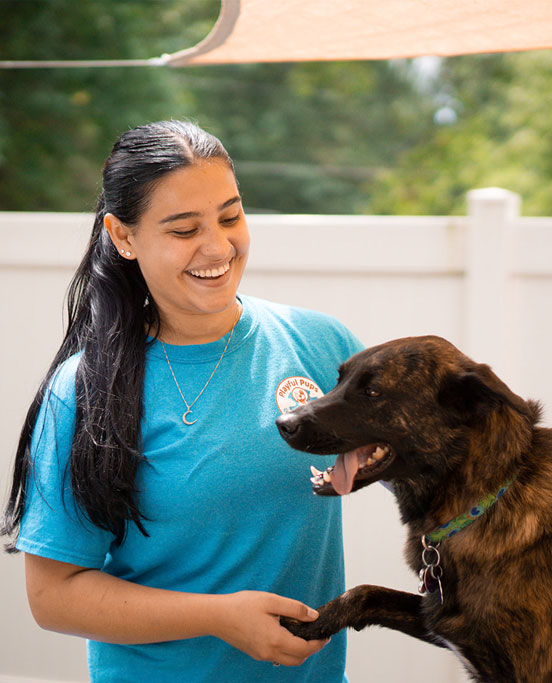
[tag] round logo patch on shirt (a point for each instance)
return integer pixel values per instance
(296, 391)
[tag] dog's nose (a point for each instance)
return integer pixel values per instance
(288, 425)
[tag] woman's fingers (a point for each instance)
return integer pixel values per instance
(250, 621)
(294, 651)
(286, 607)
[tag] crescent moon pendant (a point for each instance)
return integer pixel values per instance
(185, 421)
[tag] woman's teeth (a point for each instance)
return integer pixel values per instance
(211, 272)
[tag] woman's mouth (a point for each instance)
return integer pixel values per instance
(210, 273)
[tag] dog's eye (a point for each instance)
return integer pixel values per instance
(372, 393)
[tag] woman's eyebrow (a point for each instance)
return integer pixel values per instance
(192, 214)
(229, 202)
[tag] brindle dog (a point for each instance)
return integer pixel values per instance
(448, 435)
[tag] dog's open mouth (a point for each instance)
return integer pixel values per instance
(364, 464)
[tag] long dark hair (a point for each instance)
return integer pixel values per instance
(109, 310)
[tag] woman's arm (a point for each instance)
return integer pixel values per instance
(87, 602)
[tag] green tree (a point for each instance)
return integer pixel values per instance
(311, 137)
(57, 125)
(501, 137)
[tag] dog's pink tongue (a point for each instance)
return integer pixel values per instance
(343, 474)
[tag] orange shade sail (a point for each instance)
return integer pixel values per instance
(316, 30)
(313, 30)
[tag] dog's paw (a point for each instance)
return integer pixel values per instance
(324, 627)
(308, 630)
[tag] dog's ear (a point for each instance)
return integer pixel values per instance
(478, 392)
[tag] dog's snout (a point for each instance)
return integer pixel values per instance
(288, 425)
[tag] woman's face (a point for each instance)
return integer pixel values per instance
(192, 241)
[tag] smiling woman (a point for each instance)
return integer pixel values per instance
(191, 244)
(132, 495)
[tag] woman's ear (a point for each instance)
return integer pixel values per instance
(119, 234)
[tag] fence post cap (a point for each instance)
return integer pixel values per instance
(493, 194)
(494, 199)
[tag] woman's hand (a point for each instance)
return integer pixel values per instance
(250, 621)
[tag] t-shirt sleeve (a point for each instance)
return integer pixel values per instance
(53, 525)
(343, 341)
(353, 344)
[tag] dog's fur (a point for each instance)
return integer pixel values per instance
(457, 433)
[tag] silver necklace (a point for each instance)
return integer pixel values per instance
(189, 406)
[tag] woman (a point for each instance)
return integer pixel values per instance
(161, 515)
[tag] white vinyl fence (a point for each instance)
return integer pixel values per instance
(483, 281)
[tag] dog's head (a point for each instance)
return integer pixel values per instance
(399, 410)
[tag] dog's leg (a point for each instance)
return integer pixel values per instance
(366, 606)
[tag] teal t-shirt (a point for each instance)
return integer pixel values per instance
(229, 504)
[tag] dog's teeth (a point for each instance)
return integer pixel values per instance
(315, 472)
(370, 461)
(327, 477)
(316, 480)
(379, 453)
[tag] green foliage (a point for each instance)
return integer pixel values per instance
(57, 125)
(502, 138)
(310, 137)
(325, 137)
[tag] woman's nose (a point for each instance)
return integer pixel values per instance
(216, 244)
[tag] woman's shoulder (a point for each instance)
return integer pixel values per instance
(306, 322)
(62, 382)
(296, 315)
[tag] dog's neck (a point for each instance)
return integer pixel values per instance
(464, 476)
(460, 522)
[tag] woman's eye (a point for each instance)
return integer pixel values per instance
(184, 233)
(231, 221)
(372, 393)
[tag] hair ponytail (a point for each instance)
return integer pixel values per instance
(109, 311)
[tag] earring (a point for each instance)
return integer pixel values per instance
(126, 253)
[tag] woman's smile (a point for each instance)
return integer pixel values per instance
(208, 278)
(214, 272)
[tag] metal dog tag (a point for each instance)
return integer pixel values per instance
(432, 580)
(431, 573)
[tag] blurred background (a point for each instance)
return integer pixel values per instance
(358, 137)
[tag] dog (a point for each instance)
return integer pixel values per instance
(472, 475)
